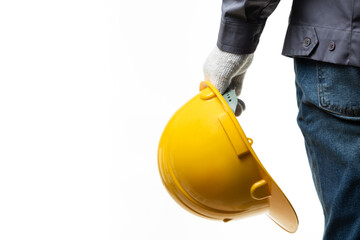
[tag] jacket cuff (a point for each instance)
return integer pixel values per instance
(239, 37)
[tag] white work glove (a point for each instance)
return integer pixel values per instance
(226, 71)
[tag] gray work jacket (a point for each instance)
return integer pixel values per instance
(323, 30)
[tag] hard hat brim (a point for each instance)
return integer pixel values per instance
(280, 209)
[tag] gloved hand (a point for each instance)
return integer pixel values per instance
(226, 71)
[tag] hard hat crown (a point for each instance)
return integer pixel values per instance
(208, 165)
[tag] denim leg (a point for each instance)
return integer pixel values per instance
(328, 98)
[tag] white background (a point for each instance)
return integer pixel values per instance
(86, 88)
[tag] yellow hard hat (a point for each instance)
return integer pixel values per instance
(208, 166)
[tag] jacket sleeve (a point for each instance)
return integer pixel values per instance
(242, 22)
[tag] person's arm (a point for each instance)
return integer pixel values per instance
(242, 22)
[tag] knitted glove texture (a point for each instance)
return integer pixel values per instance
(226, 70)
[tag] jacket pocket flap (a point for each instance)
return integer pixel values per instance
(300, 41)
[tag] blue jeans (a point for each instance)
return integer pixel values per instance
(328, 98)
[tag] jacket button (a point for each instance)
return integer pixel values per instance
(331, 46)
(307, 42)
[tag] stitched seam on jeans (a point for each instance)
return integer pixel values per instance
(322, 101)
(320, 88)
(324, 104)
(352, 113)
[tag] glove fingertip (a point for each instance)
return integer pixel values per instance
(240, 107)
(242, 103)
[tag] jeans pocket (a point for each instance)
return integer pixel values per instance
(339, 89)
